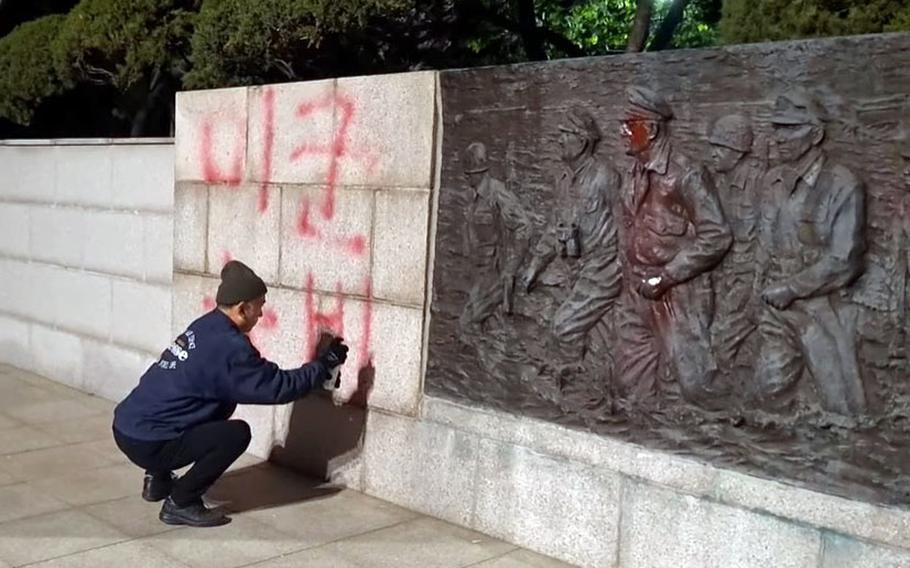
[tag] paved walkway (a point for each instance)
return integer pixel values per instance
(68, 498)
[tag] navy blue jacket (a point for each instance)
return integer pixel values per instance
(208, 370)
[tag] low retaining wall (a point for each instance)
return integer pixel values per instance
(86, 241)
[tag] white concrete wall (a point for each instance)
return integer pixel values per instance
(86, 241)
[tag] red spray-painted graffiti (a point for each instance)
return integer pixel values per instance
(211, 171)
(268, 102)
(316, 321)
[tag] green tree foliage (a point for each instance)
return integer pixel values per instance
(122, 42)
(238, 42)
(746, 21)
(137, 53)
(603, 26)
(27, 74)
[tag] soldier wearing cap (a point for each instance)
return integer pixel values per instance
(673, 234)
(902, 286)
(496, 239)
(813, 232)
(738, 173)
(582, 232)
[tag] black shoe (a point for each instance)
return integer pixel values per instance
(196, 515)
(157, 487)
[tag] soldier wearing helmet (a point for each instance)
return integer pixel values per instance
(737, 175)
(582, 232)
(496, 239)
(813, 229)
(674, 233)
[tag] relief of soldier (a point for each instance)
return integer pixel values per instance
(738, 173)
(812, 235)
(496, 239)
(582, 233)
(785, 243)
(674, 233)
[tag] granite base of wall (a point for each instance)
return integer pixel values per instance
(597, 502)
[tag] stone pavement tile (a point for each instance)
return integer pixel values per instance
(94, 485)
(87, 429)
(325, 519)
(240, 543)
(7, 479)
(6, 422)
(49, 388)
(14, 395)
(116, 556)
(50, 536)
(418, 544)
(131, 515)
(522, 559)
(23, 439)
(106, 449)
(322, 557)
(51, 462)
(51, 411)
(22, 500)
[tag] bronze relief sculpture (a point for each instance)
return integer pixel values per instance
(705, 265)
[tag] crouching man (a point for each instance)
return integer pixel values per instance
(178, 414)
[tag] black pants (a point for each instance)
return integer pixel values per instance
(211, 447)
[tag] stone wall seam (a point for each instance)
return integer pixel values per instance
(79, 334)
(623, 484)
(53, 142)
(55, 204)
(113, 276)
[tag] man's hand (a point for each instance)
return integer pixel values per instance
(335, 354)
(654, 287)
(779, 297)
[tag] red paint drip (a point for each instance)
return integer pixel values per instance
(269, 320)
(309, 149)
(355, 245)
(339, 148)
(226, 257)
(309, 311)
(268, 101)
(304, 227)
(211, 172)
(332, 322)
(208, 303)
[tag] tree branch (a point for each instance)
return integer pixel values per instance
(285, 68)
(665, 32)
(527, 27)
(641, 27)
(545, 34)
